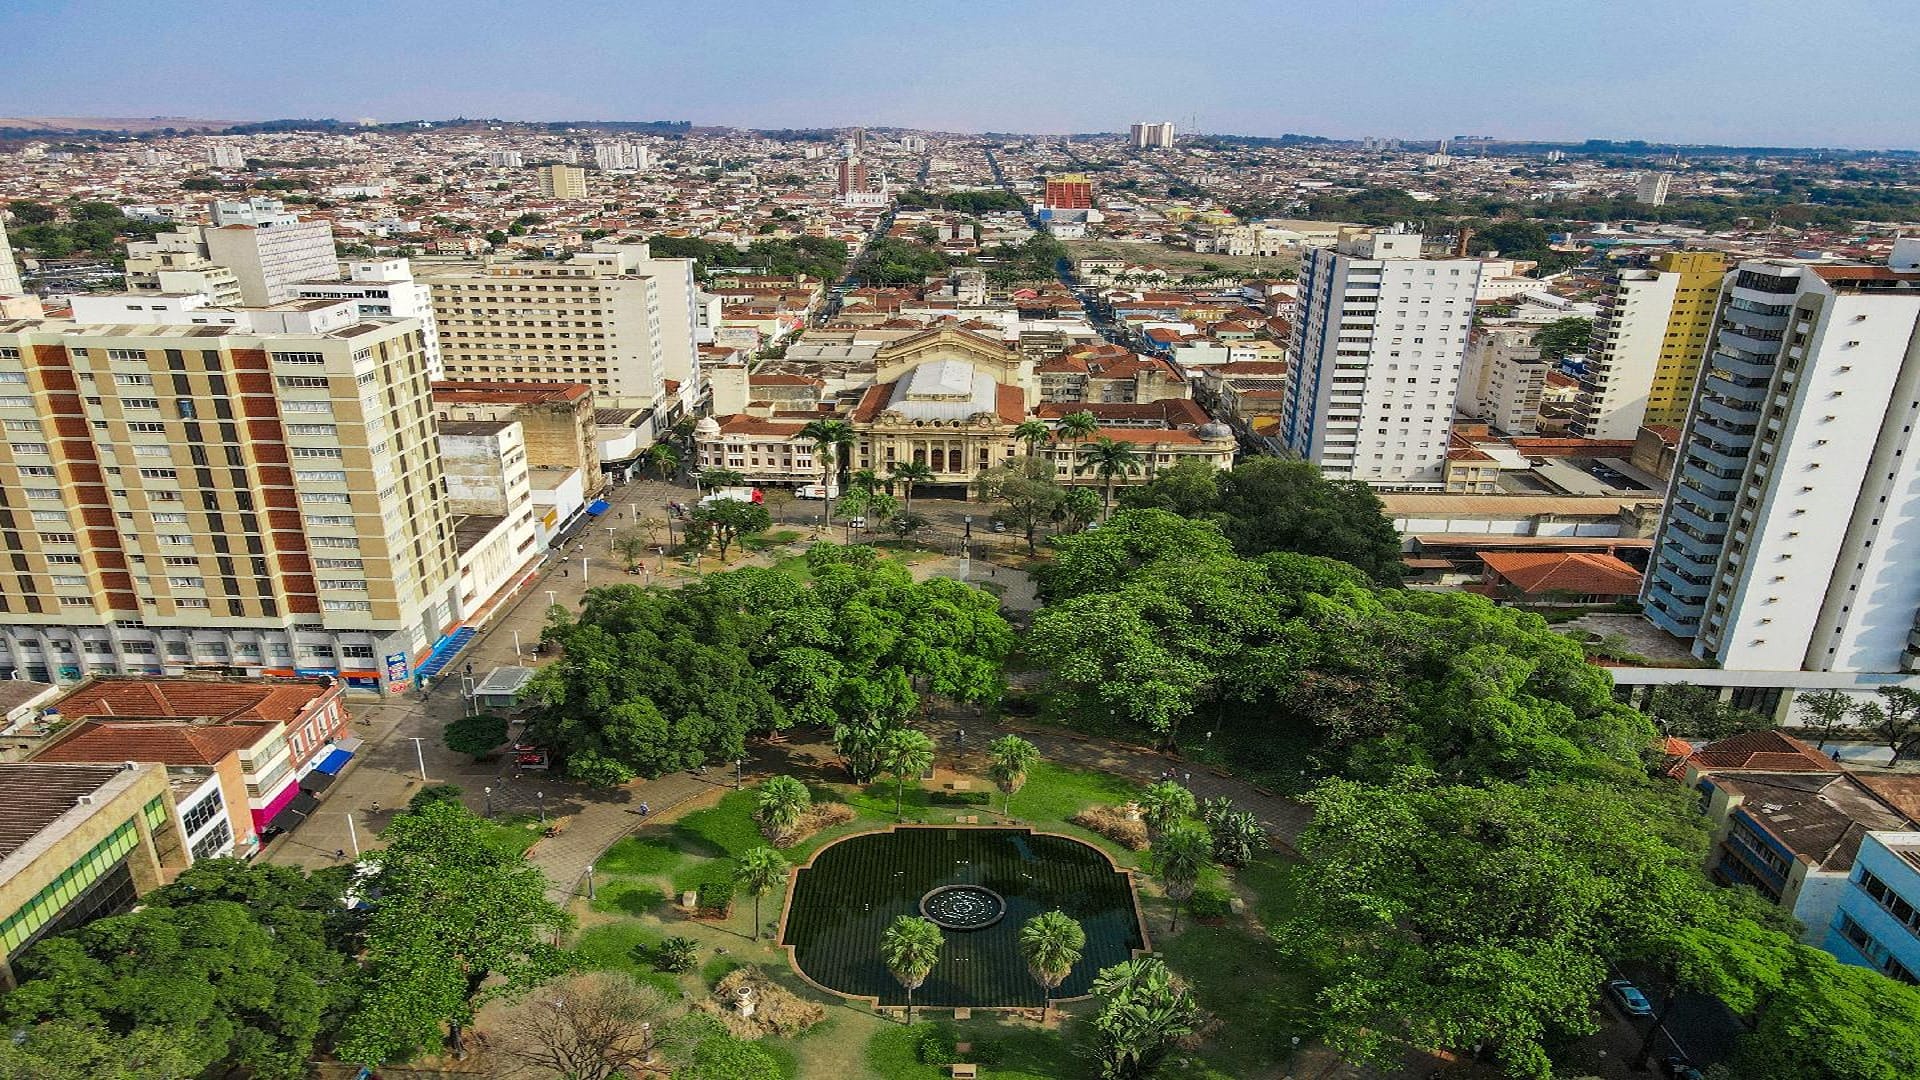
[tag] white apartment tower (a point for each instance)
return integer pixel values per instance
(1380, 335)
(1652, 188)
(226, 156)
(1788, 541)
(1152, 136)
(9, 270)
(1624, 353)
(622, 156)
(505, 159)
(254, 254)
(1502, 380)
(383, 289)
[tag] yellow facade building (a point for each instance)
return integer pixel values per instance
(1688, 324)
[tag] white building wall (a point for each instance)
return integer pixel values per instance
(1628, 337)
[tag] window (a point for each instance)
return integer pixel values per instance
(346, 605)
(126, 354)
(308, 359)
(313, 429)
(302, 382)
(217, 842)
(339, 564)
(195, 817)
(51, 517)
(317, 452)
(190, 602)
(159, 474)
(339, 497)
(320, 476)
(344, 584)
(132, 380)
(330, 519)
(335, 541)
(140, 403)
(306, 407)
(187, 582)
(145, 427)
(165, 518)
(29, 448)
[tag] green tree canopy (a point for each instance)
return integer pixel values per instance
(228, 967)
(1268, 504)
(458, 923)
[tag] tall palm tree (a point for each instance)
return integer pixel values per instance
(909, 473)
(1163, 805)
(1051, 943)
(779, 806)
(865, 481)
(833, 446)
(759, 870)
(1010, 757)
(1178, 857)
(1076, 427)
(1109, 458)
(1033, 433)
(907, 753)
(910, 948)
(664, 458)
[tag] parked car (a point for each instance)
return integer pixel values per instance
(856, 523)
(1629, 998)
(999, 526)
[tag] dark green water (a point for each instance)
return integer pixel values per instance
(843, 903)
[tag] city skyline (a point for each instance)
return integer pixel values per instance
(1478, 67)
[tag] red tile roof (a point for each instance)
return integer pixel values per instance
(169, 742)
(207, 699)
(1766, 751)
(1582, 572)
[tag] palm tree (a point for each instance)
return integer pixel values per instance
(1051, 943)
(910, 948)
(909, 473)
(1033, 433)
(1076, 427)
(905, 752)
(1110, 459)
(1178, 857)
(722, 478)
(865, 481)
(665, 459)
(1010, 758)
(632, 547)
(1163, 805)
(759, 871)
(832, 444)
(779, 806)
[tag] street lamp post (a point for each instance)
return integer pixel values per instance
(353, 835)
(486, 808)
(516, 646)
(589, 881)
(542, 796)
(739, 772)
(552, 597)
(420, 755)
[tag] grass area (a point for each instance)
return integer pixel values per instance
(1054, 793)
(618, 946)
(1273, 881)
(1005, 1051)
(512, 834)
(641, 855)
(1261, 997)
(624, 896)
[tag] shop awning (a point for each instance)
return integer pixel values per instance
(350, 744)
(335, 760)
(598, 507)
(316, 781)
(304, 804)
(288, 817)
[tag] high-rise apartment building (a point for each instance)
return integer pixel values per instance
(1647, 345)
(504, 159)
(1069, 191)
(1785, 543)
(1152, 136)
(9, 270)
(1380, 335)
(226, 156)
(1502, 379)
(563, 182)
(218, 498)
(383, 289)
(253, 254)
(613, 318)
(622, 156)
(1652, 187)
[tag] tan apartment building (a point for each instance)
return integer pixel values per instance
(609, 320)
(556, 419)
(563, 182)
(214, 498)
(78, 843)
(1649, 342)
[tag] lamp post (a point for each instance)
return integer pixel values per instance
(420, 755)
(486, 808)
(542, 796)
(516, 646)
(353, 835)
(739, 772)
(551, 597)
(589, 881)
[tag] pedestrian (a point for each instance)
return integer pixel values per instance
(376, 807)
(469, 668)
(1188, 779)
(564, 572)
(339, 853)
(644, 809)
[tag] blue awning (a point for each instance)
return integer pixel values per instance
(335, 760)
(598, 507)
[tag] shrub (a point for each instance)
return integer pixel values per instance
(962, 798)
(935, 1045)
(716, 898)
(476, 735)
(433, 793)
(675, 955)
(1210, 903)
(1115, 825)
(776, 1011)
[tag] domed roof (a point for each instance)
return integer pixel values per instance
(1214, 430)
(707, 426)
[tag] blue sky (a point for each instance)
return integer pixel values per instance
(1829, 72)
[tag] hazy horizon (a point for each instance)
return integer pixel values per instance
(1759, 73)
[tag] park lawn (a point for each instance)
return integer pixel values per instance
(512, 835)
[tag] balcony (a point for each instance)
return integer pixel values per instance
(1714, 488)
(1691, 550)
(1692, 516)
(1753, 342)
(1727, 414)
(1757, 281)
